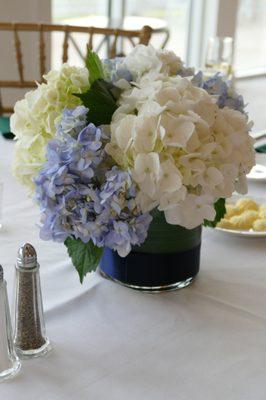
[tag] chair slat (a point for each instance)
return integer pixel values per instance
(113, 52)
(65, 46)
(90, 42)
(145, 35)
(18, 54)
(42, 52)
(31, 27)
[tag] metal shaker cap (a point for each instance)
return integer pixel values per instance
(1, 273)
(27, 257)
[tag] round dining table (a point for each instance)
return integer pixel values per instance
(204, 342)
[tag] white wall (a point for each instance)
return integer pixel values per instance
(21, 11)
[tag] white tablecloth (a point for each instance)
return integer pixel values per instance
(205, 342)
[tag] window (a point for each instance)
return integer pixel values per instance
(167, 14)
(166, 17)
(250, 37)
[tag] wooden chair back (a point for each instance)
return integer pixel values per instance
(142, 36)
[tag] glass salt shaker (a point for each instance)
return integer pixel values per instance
(30, 338)
(9, 362)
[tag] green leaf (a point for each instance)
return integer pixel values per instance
(85, 256)
(100, 99)
(220, 212)
(94, 65)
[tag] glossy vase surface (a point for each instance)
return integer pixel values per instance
(169, 259)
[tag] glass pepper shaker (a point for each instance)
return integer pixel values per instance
(29, 327)
(9, 362)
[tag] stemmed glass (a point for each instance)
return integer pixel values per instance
(219, 56)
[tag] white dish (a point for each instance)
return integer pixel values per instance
(249, 233)
(258, 173)
(243, 233)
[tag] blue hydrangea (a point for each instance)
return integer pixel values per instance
(115, 71)
(76, 200)
(217, 86)
(72, 121)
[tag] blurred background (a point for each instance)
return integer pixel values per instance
(185, 26)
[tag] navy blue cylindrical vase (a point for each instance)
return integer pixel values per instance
(169, 259)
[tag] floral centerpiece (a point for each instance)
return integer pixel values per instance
(131, 156)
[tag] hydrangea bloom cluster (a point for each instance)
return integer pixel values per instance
(115, 71)
(184, 149)
(145, 59)
(176, 142)
(123, 70)
(34, 119)
(75, 201)
(218, 87)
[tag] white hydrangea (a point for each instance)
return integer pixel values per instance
(145, 59)
(142, 59)
(183, 151)
(33, 121)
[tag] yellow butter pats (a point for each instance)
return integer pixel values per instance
(245, 220)
(225, 224)
(244, 215)
(259, 225)
(231, 210)
(246, 204)
(262, 211)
